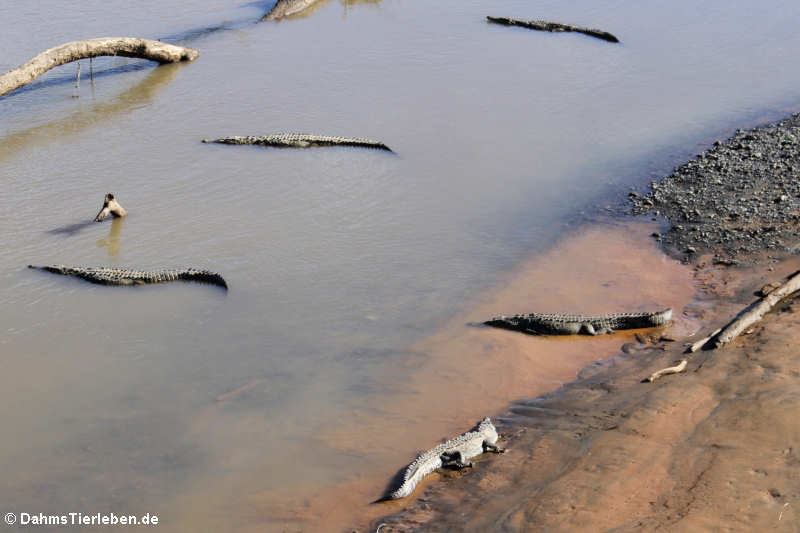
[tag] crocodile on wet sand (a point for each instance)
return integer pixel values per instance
(300, 140)
(544, 25)
(554, 324)
(126, 276)
(453, 454)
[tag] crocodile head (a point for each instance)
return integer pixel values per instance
(487, 429)
(663, 317)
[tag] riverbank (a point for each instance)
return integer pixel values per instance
(460, 373)
(714, 447)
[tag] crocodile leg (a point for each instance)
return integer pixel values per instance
(492, 448)
(588, 328)
(454, 460)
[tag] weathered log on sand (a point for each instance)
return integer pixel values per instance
(670, 370)
(755, 312)
(286, 8)
(702, 342)
(102, 46)
(544, 25)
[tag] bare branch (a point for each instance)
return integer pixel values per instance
(102, 46)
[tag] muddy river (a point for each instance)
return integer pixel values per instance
(342, 346)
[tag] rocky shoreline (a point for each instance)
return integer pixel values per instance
(739, 197)
(714, 448)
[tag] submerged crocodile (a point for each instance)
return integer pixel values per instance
(287, 8)
(300, 140)
(453, 454)
(126, 276)
(553, 324)
(543, 25)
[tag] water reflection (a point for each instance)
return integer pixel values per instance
(313, 7)
(94, 115)
(348, 4)
(112, 241)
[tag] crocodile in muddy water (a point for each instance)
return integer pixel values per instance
(126, 276)
(300, 140)
(544, 25)
(453, 454)
(556, 324)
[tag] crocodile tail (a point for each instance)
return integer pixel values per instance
(413, 474)
(204, 276)
(408, 485)
(407, 479)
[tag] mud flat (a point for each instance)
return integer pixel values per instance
(714, 448)
(459, 373)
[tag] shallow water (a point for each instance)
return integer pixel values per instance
(339, 261)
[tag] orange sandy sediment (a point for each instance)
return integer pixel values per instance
(713, 449)
(468, 372)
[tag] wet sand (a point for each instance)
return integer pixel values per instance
(462, 373)
(712, 449)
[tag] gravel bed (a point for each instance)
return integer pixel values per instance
(738, 198)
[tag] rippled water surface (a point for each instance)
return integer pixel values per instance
(208, 407)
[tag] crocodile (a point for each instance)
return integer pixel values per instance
(451, 454)
(110, 205)
(544, 25)
(126, 276)
(300, 140)
(555, 324)
(286, 8)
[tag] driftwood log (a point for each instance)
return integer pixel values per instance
(702, 342)
(755, 312)
(677, 369)
(544, 25)
(103, 46)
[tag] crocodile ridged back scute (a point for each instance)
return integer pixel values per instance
(560, 324)
(127, 276)
(302, 140)
(430, 460)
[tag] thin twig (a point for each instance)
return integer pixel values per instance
(671, 370)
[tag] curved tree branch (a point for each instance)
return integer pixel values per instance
(102, 46)
(671, 370)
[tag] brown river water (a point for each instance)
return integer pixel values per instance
(342, 347)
